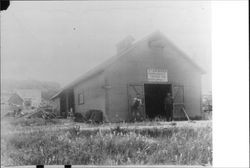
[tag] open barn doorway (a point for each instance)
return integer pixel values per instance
(67, 103)
(154, 99)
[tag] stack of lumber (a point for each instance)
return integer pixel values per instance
(41, 113)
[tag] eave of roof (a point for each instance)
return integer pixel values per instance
(100, 68)
(185, 56)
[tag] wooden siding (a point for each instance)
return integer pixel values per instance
(94, 94)
(56, 106)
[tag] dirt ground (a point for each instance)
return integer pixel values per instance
(61, 124)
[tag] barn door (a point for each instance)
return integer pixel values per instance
(178, 94)
(133, 90)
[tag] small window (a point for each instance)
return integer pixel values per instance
(81, 98)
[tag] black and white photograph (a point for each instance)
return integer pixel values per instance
(106, 83)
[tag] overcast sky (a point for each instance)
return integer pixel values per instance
(60, 40)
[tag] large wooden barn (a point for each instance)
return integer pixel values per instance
(151, 67)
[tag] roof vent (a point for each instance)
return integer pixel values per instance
(124, 44)
(157, 42)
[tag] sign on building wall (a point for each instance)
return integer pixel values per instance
(157, 75)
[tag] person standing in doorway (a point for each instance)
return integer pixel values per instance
(168, 106)
(136, 107)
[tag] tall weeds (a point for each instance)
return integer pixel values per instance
(178, 146)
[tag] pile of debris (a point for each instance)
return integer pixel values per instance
(90, 116)
(41, 113)
(34, 113)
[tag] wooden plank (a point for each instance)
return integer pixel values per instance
(185, 113)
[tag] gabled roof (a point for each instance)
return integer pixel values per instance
(100, 68)
(14, 98)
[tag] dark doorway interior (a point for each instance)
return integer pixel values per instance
(154, 99)
(67, 102)
(71, 101)
(63, 105)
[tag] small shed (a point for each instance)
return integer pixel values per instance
(31, 97)
(15, 99)
(150, 67)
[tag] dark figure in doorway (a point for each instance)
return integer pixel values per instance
(168, 107)
(136, 108)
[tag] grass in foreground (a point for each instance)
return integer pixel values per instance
(170, 146)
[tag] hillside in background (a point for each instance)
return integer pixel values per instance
(48, 88)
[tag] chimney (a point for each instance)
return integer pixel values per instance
(124, 44)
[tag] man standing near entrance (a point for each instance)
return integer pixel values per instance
(168, 106)
(136, 108)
